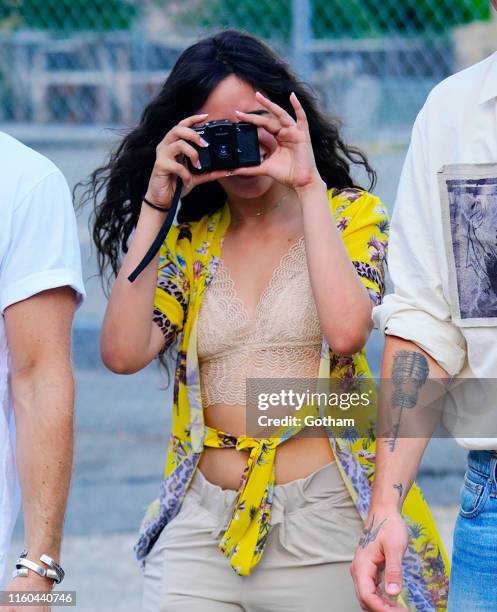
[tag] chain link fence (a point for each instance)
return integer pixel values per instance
(87, 62)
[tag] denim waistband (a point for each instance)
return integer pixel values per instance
(483, 461)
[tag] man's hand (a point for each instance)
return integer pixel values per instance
(32, 582)
(382, 545)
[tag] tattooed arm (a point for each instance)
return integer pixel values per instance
(409, 410)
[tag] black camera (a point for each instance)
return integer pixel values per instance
(231, 145)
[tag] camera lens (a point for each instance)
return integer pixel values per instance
(223, 150)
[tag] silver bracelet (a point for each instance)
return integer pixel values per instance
(23, 565)
(23, 572)
(54, 567)
(38, 569)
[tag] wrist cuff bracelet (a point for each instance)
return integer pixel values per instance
(38, 569)
(23, 565)
(55, 568)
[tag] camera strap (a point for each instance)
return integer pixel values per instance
(161, 236)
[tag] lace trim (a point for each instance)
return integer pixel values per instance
(290, 262)
(223, 381)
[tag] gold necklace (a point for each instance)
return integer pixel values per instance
(273, 206)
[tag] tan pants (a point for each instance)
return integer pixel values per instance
(305, 566)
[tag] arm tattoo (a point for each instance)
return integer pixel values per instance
(400, 488)
(369, 533)
(410, 371)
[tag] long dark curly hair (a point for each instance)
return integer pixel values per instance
(116, 189)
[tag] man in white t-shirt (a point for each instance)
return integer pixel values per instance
(440, 322)
(40, 287)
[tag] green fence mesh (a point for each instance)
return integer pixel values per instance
(82, 62)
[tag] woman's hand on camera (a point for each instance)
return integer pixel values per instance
(292, 161)
(172, 154)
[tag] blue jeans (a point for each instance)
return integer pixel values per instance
(473, 579)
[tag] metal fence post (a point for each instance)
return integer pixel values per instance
(302, 37)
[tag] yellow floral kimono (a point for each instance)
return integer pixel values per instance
(188, 261)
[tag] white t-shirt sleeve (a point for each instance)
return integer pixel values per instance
(43, 251)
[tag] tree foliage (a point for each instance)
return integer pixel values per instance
(64, 16)
(341, 18)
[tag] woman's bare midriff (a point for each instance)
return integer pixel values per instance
(295, 458)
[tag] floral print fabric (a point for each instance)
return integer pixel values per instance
(188, 261)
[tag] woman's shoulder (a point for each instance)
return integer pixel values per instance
(343, 198)
(352, 204)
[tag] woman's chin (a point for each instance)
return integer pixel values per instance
(248, 186)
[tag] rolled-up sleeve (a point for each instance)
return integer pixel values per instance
(417, 309)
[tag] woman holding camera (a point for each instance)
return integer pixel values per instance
(270, 271)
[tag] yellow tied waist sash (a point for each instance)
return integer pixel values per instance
(245, 537)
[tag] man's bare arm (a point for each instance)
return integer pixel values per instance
(414, 405)
(39, 337)
(398, 455)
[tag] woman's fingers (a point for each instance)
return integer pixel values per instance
(271, 124)
(299, 111)
(285, 118)
(182, 147)
(215, 175)
(193, 119)
(184, 133)
(167, 166)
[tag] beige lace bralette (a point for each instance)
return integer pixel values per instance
(283, 340)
